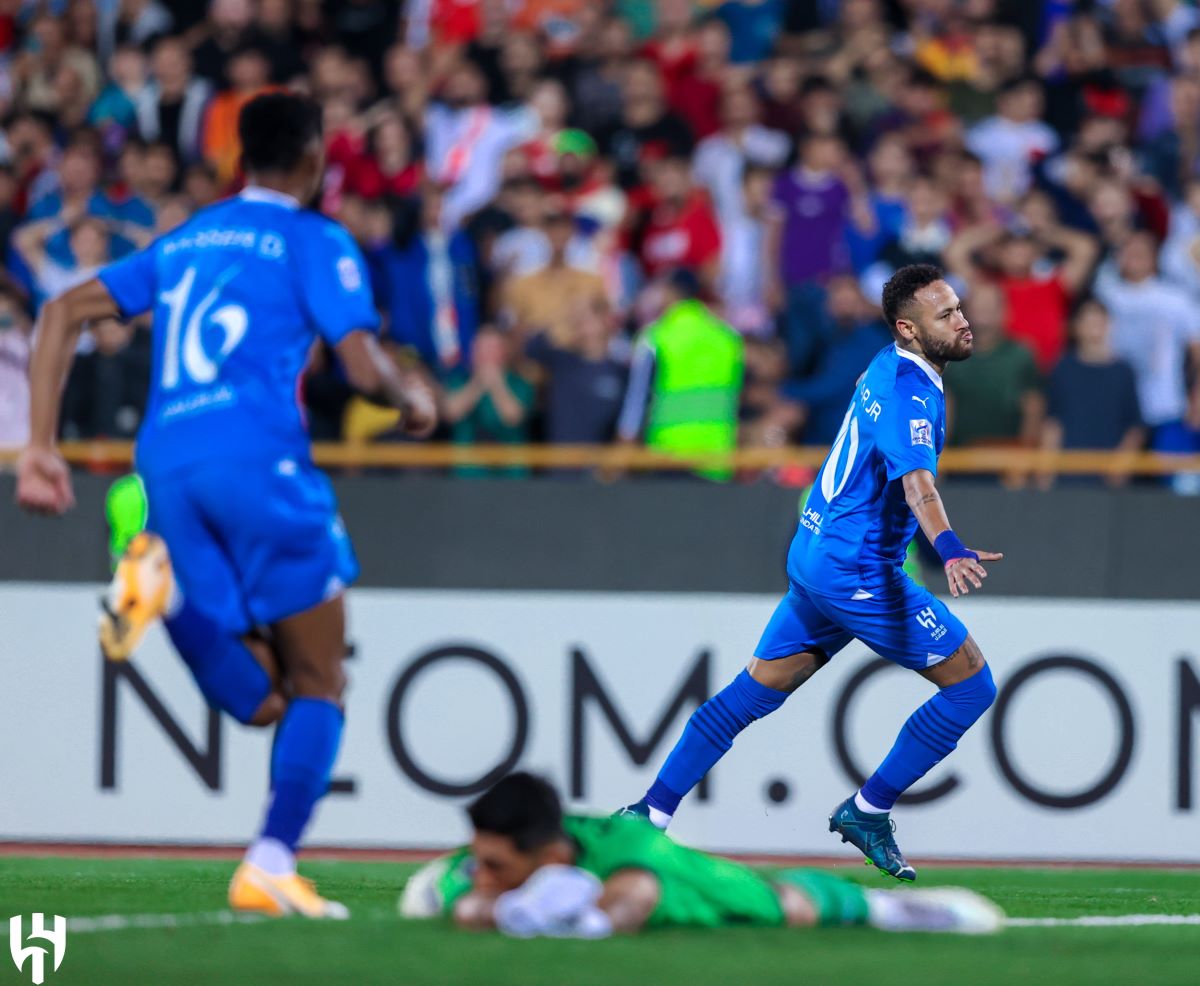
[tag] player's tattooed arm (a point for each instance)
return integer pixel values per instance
(43, 479)
(926, 504)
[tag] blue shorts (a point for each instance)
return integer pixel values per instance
(252, 542)
(905, 623)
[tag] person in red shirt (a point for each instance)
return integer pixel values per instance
(696, 95)
(1040, 266)
(681, 229)
(386, 164)
(673, 46)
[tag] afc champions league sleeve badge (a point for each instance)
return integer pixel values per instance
(920, 431)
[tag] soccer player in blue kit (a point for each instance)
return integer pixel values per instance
(239, 293)
(846, 578)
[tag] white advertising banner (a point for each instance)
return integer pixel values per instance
(1091, 752)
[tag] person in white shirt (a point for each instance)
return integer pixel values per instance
(466, 140)
(15, 347)
(1013, 140)
(1156, 328)
(1181, 251)
(720, 159)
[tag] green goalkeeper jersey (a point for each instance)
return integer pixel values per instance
(698, 890)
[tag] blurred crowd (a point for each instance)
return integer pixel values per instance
(651, 222)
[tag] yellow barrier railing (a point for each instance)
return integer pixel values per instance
(613, 458)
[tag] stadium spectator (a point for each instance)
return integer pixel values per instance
(491, 402)
(426, 280)
(106, 391)
(685, 380)
(923, 236)
(466, 139)
(222, 34)
(681, 228)
(806, 239)
(15, 350)
(1013, 141)
(1157, 330)
(890, 173)
(585, 382)
(136, 24)
(79, 194)
(753, 26)
(171, 108)
(853, 334)
(116, 106)
(722, 157)
(995, 397)
(647, 129)
(1091, 396)
(88, 249)
(31, 153)
(766, 417)
(596, 89)
(742, 282)
(277, 35)
(526, 247)
(544, 300)
(695, 94)
(44, 63)
(1181, 252)
(1039, 265)
(248, 72)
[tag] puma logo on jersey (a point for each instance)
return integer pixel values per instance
(922, 401)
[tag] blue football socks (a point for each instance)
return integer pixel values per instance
(930, 734)
(708, 736)
(301, 765)
(228, 675)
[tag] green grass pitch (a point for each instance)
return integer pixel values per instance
(375, 946)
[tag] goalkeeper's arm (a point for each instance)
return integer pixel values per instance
(565, 902)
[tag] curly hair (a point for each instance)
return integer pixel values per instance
(901, 287)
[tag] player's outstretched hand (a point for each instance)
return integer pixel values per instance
(44, 481)
(961, 571)
(420, 408)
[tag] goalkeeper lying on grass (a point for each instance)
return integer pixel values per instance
(531, 870)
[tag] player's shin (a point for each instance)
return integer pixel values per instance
(930, 734)
(301, 765)
(707, 737)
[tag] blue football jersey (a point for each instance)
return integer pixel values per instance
(856, 526)
(238, 293)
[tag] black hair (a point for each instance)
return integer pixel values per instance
(685, 283)
(901, 287)
(521, 806)
(816, 83)
(1017, 82)
(275, 130)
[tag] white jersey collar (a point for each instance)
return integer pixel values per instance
(923, 364)
(256, 193)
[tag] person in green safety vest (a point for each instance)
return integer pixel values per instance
(686, 380)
